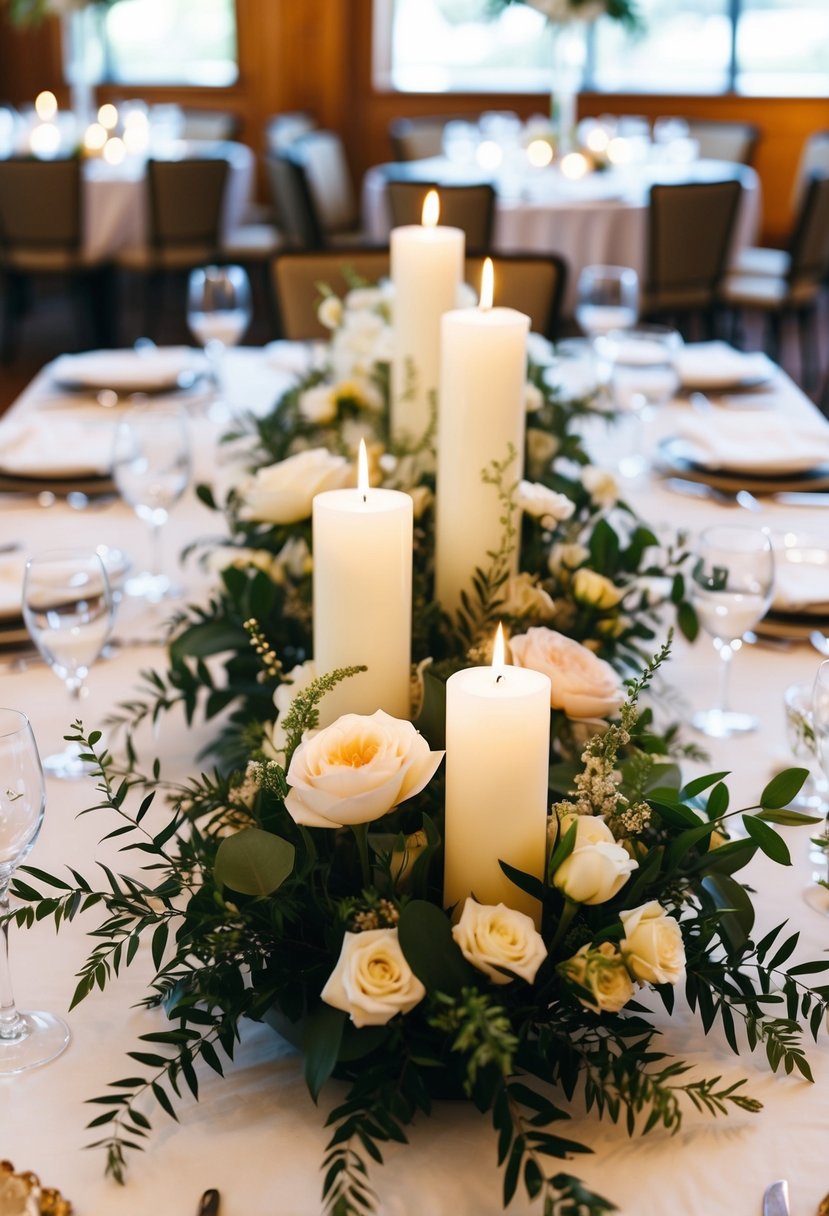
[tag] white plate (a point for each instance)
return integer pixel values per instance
(65, 447)
(163, 369)
(801, 574)
(717, 367)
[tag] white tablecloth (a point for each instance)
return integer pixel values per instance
(599, 219)
(115, 198)
(256, 1135)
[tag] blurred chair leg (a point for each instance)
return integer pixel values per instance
(100, 290)
(14, 300)
(807, 331)
(772, 343)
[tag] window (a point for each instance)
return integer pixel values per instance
(756, 47)
(163, 42)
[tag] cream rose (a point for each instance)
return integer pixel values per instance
(600, 485)
(583, 685)
(542, 447)
(533, 397)
(601, 970)
(318, 405)
(543, 503)
(565, 558)
(598, 867)
(372, 980)
(283, 493)
(595, 590)
(330, 312)
(652, 947)
(524, 598)
(357, 769)
(495, 936)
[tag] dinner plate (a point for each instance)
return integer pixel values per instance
(715, 367)
(801, 577)
(677, 456)
(164, 370)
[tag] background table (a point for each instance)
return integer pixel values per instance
(256, 1135)
(599, 219)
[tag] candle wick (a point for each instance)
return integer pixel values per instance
(365, 498)
(499, 677)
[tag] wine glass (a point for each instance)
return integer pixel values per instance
(642, 375)
(26, 1039)
(151, 468)
(607, 298)
(219, 311)
(816, 893)
(68, 610)
(731, 587)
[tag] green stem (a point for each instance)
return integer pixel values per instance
(360, 831)
(568, 912)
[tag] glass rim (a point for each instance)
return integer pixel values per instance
(23, 722)
(66, 554)
(708, 535)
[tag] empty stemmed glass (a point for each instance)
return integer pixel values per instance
(68, 610)
(26, 1039)
(731, 587)
(607, 297)
(219, 310)
(641, 363)
(151, 468)
(816, 893)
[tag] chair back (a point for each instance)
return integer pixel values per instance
(186, 199)
(211, 125)
(322, 156)
(297, 278)
(532, 284)
(690, 229)
(719, 140)
(471, 208)
(814, 158)
(296, 214)
(809, 245)
(281, 130)
(40, 206)
(416, 138)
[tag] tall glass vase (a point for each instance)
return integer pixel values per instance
(82, 60)
(569, 55)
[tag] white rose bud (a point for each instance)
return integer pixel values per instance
(372, 980)
(595, 590)
(600, 485)
(542, 447)
(533, 397)
(330, 312)
(598, 866)
(357, 769)
(601, 970)
(543, 503)
(524, 598)
(283, 493)
(565, 558)
(495, 936)
(652, 947)
(318, 405)
(583, 686)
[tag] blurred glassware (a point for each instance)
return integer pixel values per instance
(643, 365)
(151, 465)
(68, 610)
(607, 298)
(26, 1039)
(460, 142)
(816, 893)
(219, 311)
(800, 736)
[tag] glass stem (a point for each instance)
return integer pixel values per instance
(726, 655)
(12, 1025)
(155, 543)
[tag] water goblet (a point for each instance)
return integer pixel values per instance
(151, 468)
(731, 587)
(607, 298)
(800, 736)
(68, 610)
(642, 375)
(26, 1039)
(219, 310)
(816, 893)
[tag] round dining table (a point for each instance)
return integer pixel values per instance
(256, 1134)
(597, 219)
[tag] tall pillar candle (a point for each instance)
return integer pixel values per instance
(482, 391)
(426, 270)
(363, 597)
(497, 763)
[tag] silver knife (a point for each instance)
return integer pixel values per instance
(776, 1199)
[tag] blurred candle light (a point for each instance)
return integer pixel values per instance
(108, 116)
(95, 137)
(489, 155)
(46, 106)
(619, 151)
(114, 151)
(539, 153)
(45, 140)
(596, 139)
(574, 165)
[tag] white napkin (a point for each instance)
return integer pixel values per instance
(756, 441)
(150, 370)
(801, 576)
(716, 364)
(56, 447)
(295, 357)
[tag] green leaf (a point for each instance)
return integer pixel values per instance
(431, 721)
(253, 862)
(701, 783)
(209, 637)
(321, 1045)
(688, 621)
(735, 908)
(425, 936)
(783, 788)
(791, 819)
(772, 845)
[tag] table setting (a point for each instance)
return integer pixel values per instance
(279, 899)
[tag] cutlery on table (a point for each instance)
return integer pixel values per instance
(209, 1203)
(820, 642)
(700, 489)
(776, 1199)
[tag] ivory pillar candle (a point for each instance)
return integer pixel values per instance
(426, 270)
(497, 762)
(483, 412)
(363, 597)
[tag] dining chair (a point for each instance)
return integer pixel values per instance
(210, 125)
(814, 158)
(792, 285)
(41, 235)
(321, 156)
(690, 231)
(532, 284)
(417, 138)
(281, 130)
(296, 209)
(470, 207)
(184, 204)
(720, 140)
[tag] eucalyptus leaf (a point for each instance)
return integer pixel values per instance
(735, 908)
(253, 862)
(783, 788)
(772, 845)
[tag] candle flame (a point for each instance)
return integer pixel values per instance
(431, 209)
(362, 470)
(487, 286)
(499, 654)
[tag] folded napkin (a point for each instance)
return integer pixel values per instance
(130, 371)
(716, 364)
(56, 447)
(295, 357)
(756, 441)
(801, 576)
